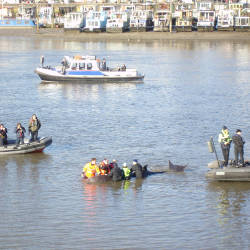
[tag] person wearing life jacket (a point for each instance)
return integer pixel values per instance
(126, 171)
(104, 167)
(3, 135)
(34, 126)
(90, 169)
(19, 130)
(225, 142)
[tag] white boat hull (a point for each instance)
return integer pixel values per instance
(53, 75)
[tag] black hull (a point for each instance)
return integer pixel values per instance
(26, 148)
(229, 173)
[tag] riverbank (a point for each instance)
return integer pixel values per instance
(127, 36)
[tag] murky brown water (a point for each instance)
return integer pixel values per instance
(191, 89)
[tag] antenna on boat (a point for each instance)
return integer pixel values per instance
(42, 60)
(212, 149)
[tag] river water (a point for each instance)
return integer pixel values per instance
(191, 89)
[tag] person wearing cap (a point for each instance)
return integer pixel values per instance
(90, 169)
(225, 142)
(126, 171)
(137, 169)
(116, 173)
(34, 126)
(238, 148)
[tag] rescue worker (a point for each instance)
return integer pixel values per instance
(20, 130)
(137, 169)
(34, 126)
(126, 171)
(238, 148)
(116, 173)
(104, 167)
(225, 142)
(113, 164)
(90, 169)
(3, 135)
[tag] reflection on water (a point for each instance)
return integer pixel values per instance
(25, 159)
(231, 198)
(81, 91)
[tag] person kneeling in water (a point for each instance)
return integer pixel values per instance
(90, 169)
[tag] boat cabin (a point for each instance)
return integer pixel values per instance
(242, 23)
(78, 63)
(225, 20)
(206, 20)
(141, 20)
(118, 21)
(73, 20)
(162, 20)
(96, 21)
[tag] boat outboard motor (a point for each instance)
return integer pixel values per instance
(42, 60)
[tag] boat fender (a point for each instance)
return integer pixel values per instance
(210, 146)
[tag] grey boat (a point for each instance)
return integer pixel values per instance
(27, 147)
(228, 173)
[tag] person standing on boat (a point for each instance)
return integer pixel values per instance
(3, 135)
(225, 142)
(104, 64)
(34, 126)
(238, 148)
(137, 169)
(90, 169)
(20, 130)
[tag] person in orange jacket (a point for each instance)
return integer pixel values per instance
(90, 169)
(104, 167)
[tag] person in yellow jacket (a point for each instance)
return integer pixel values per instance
(126, 171)
(90, 169)
(225, 142)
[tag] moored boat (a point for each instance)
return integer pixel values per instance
(27, 147)
(85, 68)
(118, 22)
(16, 23)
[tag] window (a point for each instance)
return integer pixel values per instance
(89, 66)
(81, 66)
(73, 66)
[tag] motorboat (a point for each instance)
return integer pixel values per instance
(27, 147)
(85, 68)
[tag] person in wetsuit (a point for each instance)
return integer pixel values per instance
(116, 173)
(136, 169)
